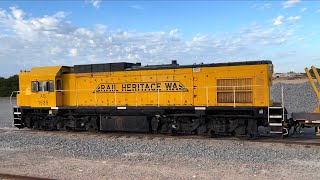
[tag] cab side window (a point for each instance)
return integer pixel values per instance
(35, 86)
(43, 86)
(59, 85)
(51, 86)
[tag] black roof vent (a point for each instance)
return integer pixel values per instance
(106, 67)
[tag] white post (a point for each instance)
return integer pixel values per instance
(115, 98)
(95, 97)
(234, 96)
(158, 98)
(207, 96)
(77, 96)
(282, 102)
(136, 98)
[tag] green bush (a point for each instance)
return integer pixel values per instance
(7, 85)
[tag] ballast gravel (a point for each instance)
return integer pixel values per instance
(37, 154)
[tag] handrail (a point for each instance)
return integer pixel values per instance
(233, 89)
(12, 95)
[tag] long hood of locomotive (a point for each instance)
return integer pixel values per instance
(207, 86)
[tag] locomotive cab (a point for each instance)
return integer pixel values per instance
(41, 87)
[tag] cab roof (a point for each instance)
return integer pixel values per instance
(49, 70)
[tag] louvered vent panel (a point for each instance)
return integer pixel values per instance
(234, 90)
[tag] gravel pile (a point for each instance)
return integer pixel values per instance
(297, 97)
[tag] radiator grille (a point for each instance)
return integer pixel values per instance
(235, 90)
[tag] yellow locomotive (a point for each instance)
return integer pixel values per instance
(215, 99)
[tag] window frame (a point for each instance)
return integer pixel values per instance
(59, 85)
(49, 84)
(32, 86)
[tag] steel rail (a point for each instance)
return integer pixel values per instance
(20, 177)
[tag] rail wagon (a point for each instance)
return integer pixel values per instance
(206, 99)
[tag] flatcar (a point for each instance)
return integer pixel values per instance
(205, 99)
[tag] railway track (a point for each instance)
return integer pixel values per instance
(20, 177)
(295, 140)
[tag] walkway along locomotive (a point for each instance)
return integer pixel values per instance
(205, 99)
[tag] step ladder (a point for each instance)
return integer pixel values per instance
(276, 118)
(17, 121)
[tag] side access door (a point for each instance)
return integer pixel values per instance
(59, 92)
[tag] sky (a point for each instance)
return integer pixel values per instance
(50, 33)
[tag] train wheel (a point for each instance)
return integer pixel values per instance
(213, 134)
(36, 125)
(61, 126)
(91, 126)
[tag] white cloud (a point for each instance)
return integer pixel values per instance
(60, 15)
(262, 6)
(293, 18)
(17, 13)
(290, 3)
(137, 6)
(55, 51)
(263, 36)
(2, 13)
(73, 52)
(303, 10)
(278, 20)
(49, 40)
(95, 3)
(33, 27)
(100, 28)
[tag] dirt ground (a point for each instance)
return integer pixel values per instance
(72, 168)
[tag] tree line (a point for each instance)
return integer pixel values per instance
(7, 85)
